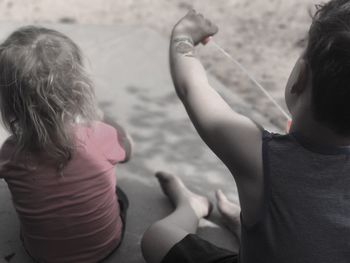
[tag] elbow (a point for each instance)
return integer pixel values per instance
(128, 146)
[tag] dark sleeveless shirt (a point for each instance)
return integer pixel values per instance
(306, 215)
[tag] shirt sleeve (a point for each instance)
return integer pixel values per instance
(110, 144)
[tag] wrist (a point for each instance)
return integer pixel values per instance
(180, 31)
(183, 45)
(177, 39)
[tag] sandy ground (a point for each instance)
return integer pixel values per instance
(162, 132)
(265, 35)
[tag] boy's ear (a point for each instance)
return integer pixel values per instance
(302, 77)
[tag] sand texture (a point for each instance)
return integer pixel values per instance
(267, 36)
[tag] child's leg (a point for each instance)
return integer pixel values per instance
(189, 209)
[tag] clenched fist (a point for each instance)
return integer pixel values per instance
(195, 26)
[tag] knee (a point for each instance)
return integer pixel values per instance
(144, 240)
(148, 241)
(152, 243)
(159, 239)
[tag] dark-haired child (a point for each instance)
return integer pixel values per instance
(293, 188)
(59, 162)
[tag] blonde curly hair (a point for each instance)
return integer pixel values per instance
(44, 89)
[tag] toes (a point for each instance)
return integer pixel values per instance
(159, 174)
(210, 209)
(225, 206)
(163, 176)
(220, 196)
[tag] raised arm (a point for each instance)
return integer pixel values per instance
(235, 139)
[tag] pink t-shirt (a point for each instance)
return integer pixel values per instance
(74, 217)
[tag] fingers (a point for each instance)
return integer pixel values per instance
(220, 196)
(192, 12)
(210, 28)
(196, 26)
(206, 40)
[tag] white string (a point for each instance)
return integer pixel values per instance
(251, 77)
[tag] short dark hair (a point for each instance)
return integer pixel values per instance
(328, 54)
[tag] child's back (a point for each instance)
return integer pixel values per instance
(73, 217)
(306, 206)
(59, 161)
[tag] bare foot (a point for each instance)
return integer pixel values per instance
(179, 194)
(230, 212)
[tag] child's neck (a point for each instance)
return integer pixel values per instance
(316, 132)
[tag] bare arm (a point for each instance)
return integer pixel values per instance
(124, 138)
(235, 139)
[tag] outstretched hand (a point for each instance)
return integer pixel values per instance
(195, 26)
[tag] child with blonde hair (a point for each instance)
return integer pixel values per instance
(59, 162)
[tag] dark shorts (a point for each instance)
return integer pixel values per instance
(123, 205)
(193, 249)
